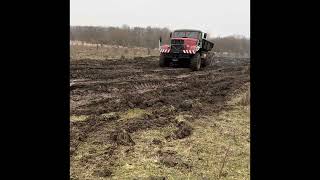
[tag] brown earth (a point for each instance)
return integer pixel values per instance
(105, 92)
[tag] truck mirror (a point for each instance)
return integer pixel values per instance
(170, 34)
(205, 35)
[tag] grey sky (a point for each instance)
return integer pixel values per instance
(217, 17)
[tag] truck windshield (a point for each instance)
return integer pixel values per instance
(185, 34)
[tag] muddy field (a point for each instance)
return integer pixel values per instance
(131, 119)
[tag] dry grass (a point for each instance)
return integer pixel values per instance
(241, 98)
(82, 164)
(245, 99)
(133, 113)
(78, 118)
(108, 52)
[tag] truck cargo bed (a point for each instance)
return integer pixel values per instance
(207, 45)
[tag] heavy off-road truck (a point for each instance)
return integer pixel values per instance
(186, 46)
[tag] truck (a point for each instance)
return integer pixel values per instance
(186, 46)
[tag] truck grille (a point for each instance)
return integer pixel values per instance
(177, 41)
(177, 45)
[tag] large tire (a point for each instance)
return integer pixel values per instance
(195, 62)
(163, 62)
(204, 62)
(209, 60)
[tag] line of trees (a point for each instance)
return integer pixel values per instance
(148, 37)
(232, 44)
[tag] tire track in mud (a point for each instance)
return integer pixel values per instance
(120, 85)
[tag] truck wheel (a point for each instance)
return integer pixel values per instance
(208, 62)
(204, 62)
(163, 61)
(211, 61)
(195, 62)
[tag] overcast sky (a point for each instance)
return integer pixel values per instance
(217, 17)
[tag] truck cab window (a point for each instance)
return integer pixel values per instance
(185, 34)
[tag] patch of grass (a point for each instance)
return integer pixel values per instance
(133, 113)
(144, 160)
(181, 117)
(245, 99)
(84, 163)
(111, 115)
(242, 98)
(74, 118)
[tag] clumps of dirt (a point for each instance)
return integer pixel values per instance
(102, 173)
(110, 116)
(74, 86)
(74, 178)
(156, 141)
(184, 130)
(157, 178)
(87, 159)
(151, 178)
(81, 130)
(72, 150)
(145, 122)
(133, 101)
(129, 150)
(92, 151)
(131, 105)
(97, 119)
(186, 105)
(172, 159)
(154, 102)
(110, 151)
(205, 178)
(164, 111)
(122, 137)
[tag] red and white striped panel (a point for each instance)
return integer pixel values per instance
(164, 50)
(189, 51)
